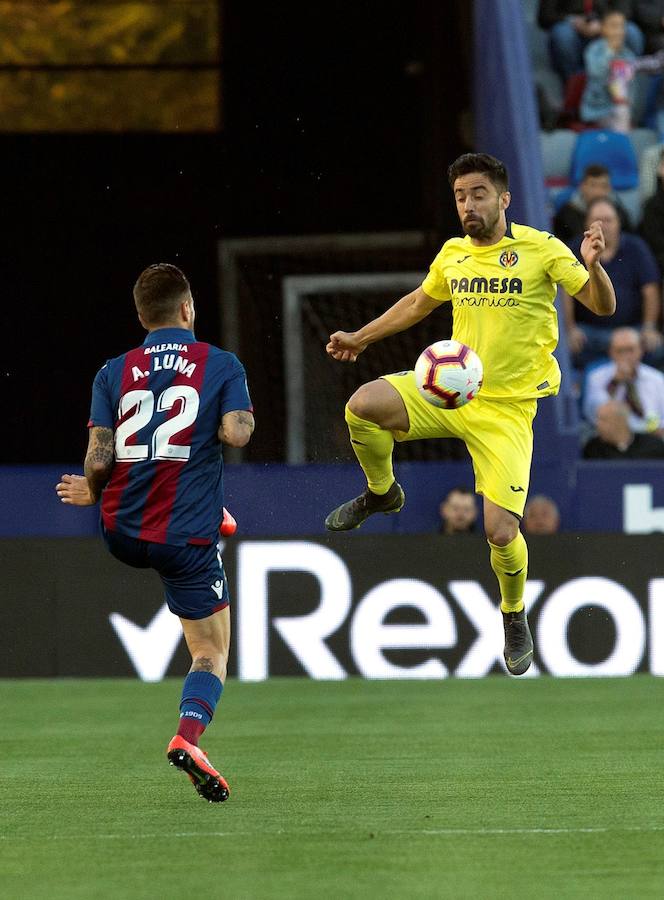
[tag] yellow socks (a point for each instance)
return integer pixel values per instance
(510, 563)
(373, 448)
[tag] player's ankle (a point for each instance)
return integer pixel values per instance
(191, 730)
(511, 606)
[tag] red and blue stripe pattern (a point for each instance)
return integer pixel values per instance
(167, 481)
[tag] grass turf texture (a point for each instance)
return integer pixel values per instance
(480, 789)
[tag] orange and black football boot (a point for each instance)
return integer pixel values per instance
(192, 760)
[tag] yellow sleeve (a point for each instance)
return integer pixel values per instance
(435, 284)
(563, 267)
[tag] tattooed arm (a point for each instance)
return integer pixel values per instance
(99, 460)
(236, 428)
(80, 490)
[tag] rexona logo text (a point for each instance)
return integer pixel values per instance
(440, 639)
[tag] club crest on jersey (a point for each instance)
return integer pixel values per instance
(508, 258)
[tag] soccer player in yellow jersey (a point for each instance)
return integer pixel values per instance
(501, 278)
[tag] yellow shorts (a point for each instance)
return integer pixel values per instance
(498, 434)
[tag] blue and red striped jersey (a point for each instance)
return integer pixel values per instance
(164, 401)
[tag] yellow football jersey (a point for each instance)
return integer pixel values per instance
(503, 297)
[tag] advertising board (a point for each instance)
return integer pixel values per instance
(377, 606)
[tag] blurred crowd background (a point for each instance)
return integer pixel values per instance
(599, 74)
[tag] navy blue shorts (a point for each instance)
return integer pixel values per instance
(193, 577)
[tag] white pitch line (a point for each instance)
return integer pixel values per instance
(432, 832)
(498, 831)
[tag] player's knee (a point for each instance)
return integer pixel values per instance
(363, 403)
(501, 533)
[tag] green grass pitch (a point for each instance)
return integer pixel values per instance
(495, 788)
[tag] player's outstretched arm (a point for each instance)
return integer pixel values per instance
(598, 293)
(346, 346)
(236, 428)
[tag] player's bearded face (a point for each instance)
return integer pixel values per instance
(483, 216)
(482, 224)
(479, 205)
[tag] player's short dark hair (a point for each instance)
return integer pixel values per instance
(469, 163)
(159, 291)
(595, 170)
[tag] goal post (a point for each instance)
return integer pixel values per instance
(301, 296)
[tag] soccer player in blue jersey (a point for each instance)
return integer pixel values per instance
(160, 414)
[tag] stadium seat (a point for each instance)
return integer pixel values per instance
(550, 96)
(561, 197)
(557, 149)
(631, 201)
(610, 149)
(549, 84)
(538, 42)
(641, 139)
(640, 94)
(648, 165)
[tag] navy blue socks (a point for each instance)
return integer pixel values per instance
(200, 694)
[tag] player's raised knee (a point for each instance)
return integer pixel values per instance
(378, 402)
(364, 403)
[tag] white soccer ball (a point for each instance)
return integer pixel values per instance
(448, 374)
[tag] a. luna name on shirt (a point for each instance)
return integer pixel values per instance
(167, 361)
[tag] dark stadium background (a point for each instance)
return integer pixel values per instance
(339, 117)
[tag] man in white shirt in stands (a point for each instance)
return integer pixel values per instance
(629, 381)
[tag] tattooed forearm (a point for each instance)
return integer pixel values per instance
(100, 450)
(99, 460)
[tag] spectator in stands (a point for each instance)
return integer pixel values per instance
(632, 268)
(629, 381)
(649, 16)
(608, 96)
(573, 23)
(652, 224)
(541, 516)
(458, 512)
(571, 217)
(616, 440)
